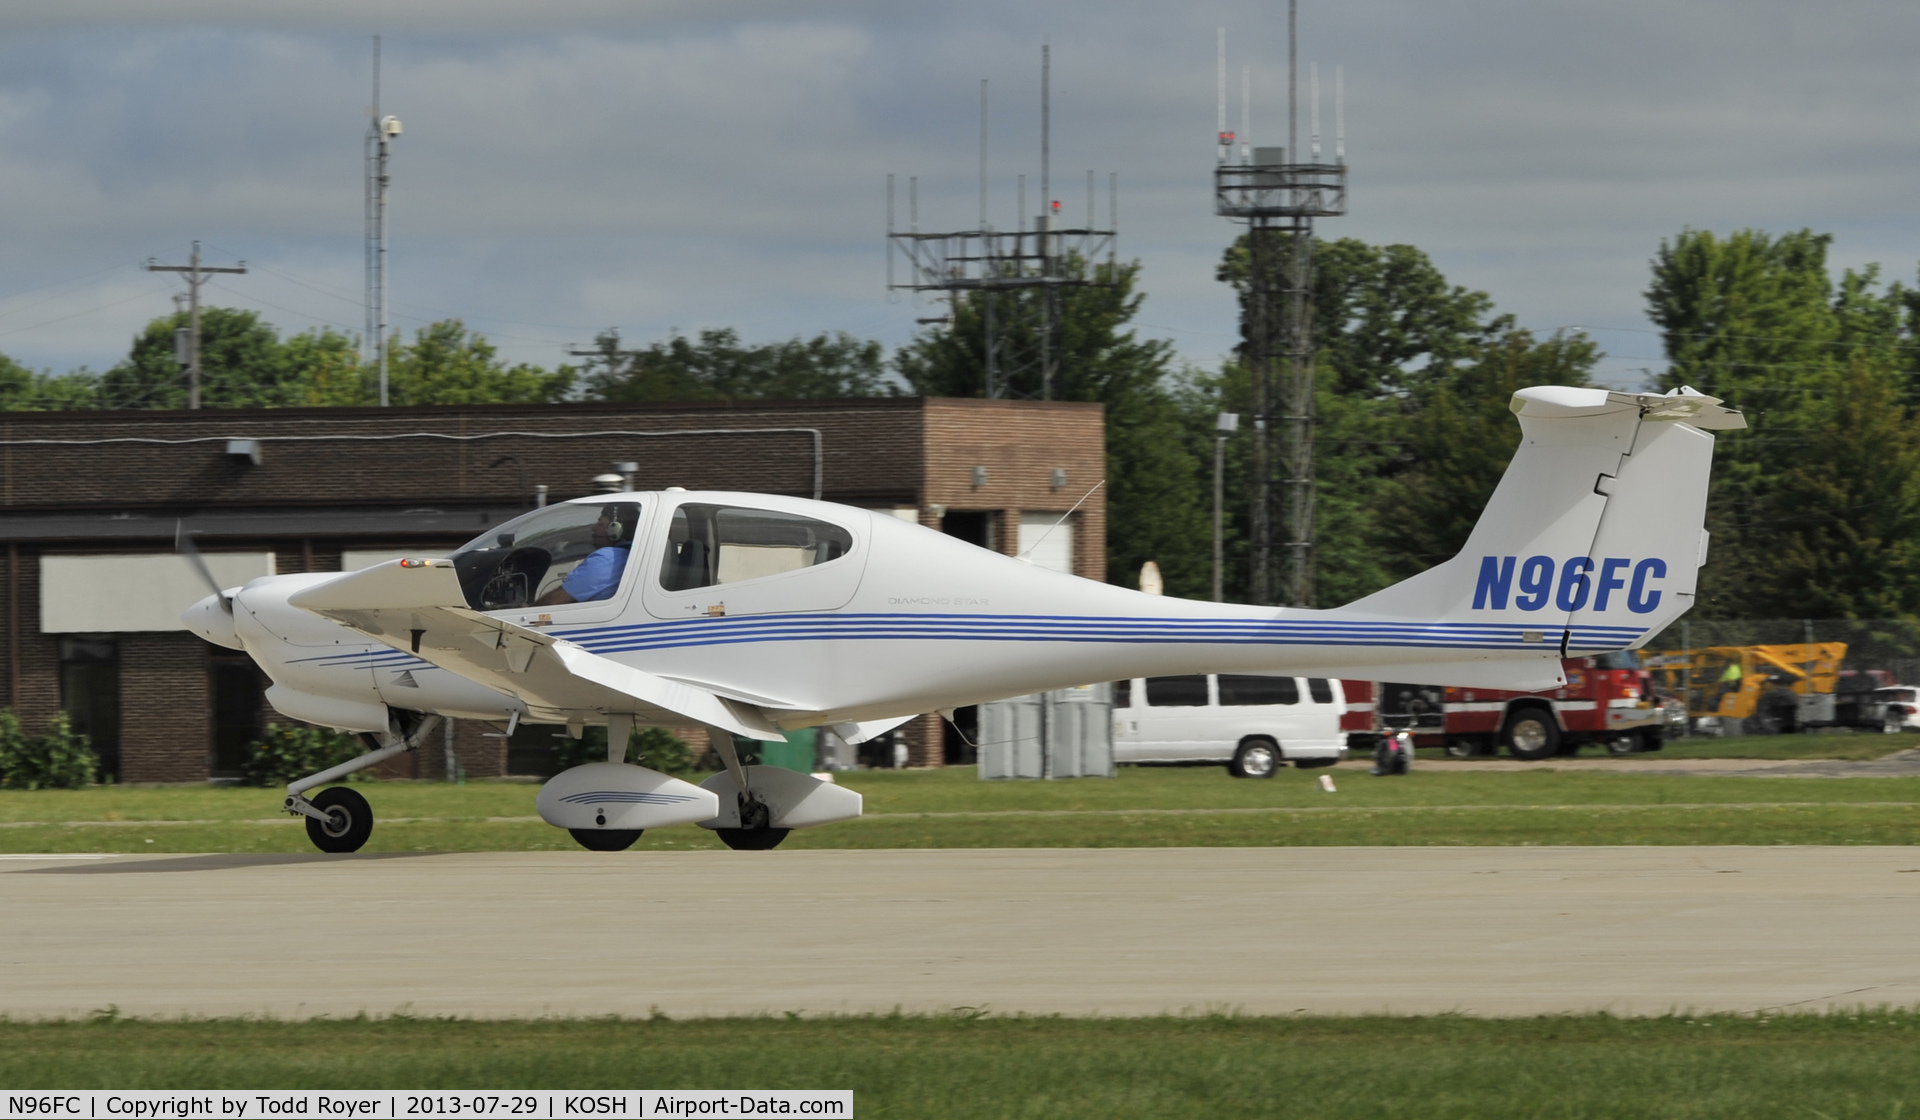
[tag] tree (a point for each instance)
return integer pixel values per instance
(718, 366)
(325, 368)
(241, 365)
(22, 390)
(447, 364)
(1758, 320)
(1846, 515)
(1156, 504)
(1459, 437)
(1413, 375)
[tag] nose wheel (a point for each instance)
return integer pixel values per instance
(345, 823)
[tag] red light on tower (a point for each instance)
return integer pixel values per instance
(1226, 139)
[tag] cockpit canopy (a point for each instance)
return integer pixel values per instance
(527, 559)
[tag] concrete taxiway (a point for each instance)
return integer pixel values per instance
(1116, 931)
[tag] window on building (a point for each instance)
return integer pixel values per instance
(1238, 689)
(90, 694)
(1177, 692)
(975, 526)
(239, 712)
(712, 545)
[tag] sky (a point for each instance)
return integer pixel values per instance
(661, 165)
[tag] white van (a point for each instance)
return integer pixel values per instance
(1247, 721)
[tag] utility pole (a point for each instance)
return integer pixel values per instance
(196, 274)
(380, 133)
(609, 351)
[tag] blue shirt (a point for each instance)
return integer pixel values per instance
(597, 576)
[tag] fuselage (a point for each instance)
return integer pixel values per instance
(901, 620)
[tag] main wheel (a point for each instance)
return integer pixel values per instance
(605, 839)
(1256, 758)
(1531, 735)
(752, 839)
(349, 820)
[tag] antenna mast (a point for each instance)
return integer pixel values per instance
(380, 133)
(1278, 195)
(1021, 348)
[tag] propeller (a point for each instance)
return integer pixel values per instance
(183, 544)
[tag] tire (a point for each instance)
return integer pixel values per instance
(1892, 724)
(605, 839)
(349, 823)
(1463, 748)
(752, 839)
(1531, 735)
(1256, 758)
(1623, 746)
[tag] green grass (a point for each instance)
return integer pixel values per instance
(1860, 745)
(1841, 1066)
(1140, 807)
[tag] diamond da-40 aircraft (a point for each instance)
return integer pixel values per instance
(753, 614)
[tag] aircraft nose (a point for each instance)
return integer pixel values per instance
(211, 619)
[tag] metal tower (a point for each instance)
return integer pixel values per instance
(1279, 199)
(982, 263)
(380, 133)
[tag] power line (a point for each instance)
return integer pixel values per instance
(56, 284)
(77, 314)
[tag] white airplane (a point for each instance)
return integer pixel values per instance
(752, 614)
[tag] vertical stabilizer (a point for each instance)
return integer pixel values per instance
(1595, 535)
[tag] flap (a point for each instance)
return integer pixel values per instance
(865, 730)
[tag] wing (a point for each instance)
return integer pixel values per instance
(417, 606)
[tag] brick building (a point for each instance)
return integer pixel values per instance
(89, 503)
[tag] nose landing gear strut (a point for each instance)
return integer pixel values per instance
(339, 819)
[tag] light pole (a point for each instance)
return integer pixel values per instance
(1225, 425)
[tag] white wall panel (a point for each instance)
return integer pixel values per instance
(118, 594)
(1055, 549)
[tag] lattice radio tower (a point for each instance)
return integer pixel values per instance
(982, 263)
(1279, 199)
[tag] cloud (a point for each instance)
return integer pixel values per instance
(576, 165)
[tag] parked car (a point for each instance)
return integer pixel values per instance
(1252, 723)
(1899, 708)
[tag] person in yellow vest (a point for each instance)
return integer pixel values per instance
(1729, 683)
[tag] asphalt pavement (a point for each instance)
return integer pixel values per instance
(1115, 931)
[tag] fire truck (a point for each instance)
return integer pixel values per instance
(1608, 700)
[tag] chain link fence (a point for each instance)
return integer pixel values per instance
(1788, 674)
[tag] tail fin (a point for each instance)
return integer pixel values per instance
(1594, 538)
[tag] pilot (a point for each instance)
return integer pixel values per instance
(598, 575)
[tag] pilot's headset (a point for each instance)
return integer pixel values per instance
(623, 519)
